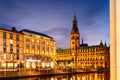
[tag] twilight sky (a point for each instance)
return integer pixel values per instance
(54, 18)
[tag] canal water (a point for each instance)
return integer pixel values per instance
(88, 76)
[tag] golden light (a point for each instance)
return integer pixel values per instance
(52, 65)
(32, 40)
(3, 64)
(27, 51)
(83, 78)
(33, 65)
(43, 65)
(15, 65)
(32, 51)
(11, 41)
(4, 56)
(52, 78)
(27, 64)
(47, 65)
(10, 64)
(38, 52)
(38, 41)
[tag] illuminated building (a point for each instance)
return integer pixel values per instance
(26, 49)
(38, 47)
(82, 55)
(11, 48)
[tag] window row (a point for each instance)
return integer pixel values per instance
(11, 35)
(39, 42)
(11, 41)
(11, 48)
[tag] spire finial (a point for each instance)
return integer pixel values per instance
(82, 41)
(74, 13)
(105, 44)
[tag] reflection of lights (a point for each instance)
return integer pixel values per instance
(95, 76)
(43, 64)
(78, 78)
(90, 77)
(71, 79)
(83, 78)
(52, 78)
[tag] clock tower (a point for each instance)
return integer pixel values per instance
(74, 36)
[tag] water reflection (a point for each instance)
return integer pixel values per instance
(90, 76)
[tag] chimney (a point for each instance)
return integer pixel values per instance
(14, 29)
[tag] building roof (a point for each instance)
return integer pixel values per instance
(30, 31)
(12, 30)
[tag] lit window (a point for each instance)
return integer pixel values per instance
(4, 56)
(38, 52)
(27, 51)
(11, 41)
(11, 56)
(32, 51)
(32, 40)
(47, 43)
(37, 41)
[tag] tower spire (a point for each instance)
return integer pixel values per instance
(74, 13)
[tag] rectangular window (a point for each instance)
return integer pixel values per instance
(17, 56)
(27, 45)
(43, 48)
(17, 42)
(33, 46)
(38, 47)
(17, 48)
(11, 48)
(11, 35)
(47, 48)
(4, 34)
(27, 40)
(4, 47)
(17, 37)
(4, 41)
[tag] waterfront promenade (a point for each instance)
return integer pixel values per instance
(27, 73)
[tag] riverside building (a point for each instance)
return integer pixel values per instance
(81, 55)
(25, 49)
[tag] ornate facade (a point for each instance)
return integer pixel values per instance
(82, 55)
